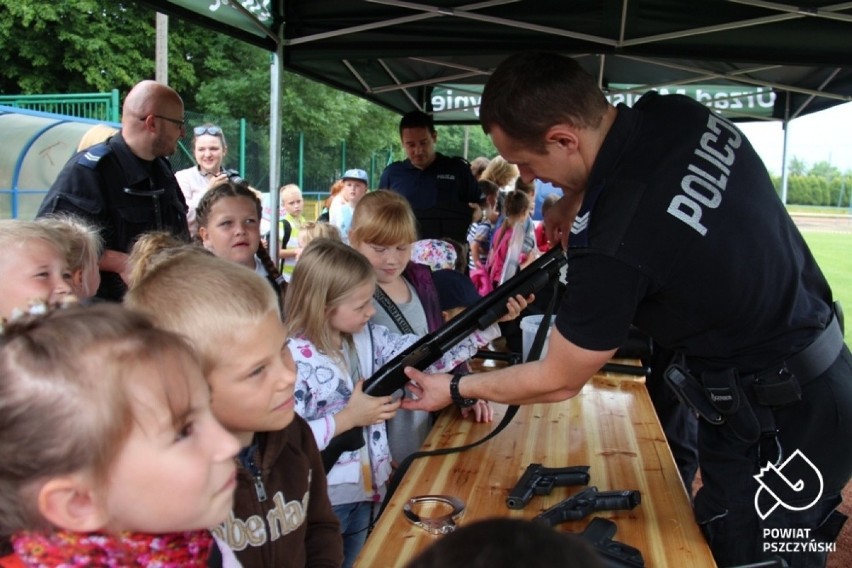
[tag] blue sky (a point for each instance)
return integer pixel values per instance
(822, 136)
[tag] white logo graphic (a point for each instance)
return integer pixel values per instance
(773, 481)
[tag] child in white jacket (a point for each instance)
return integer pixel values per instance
(329, 305)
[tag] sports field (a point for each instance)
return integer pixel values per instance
(833, 251)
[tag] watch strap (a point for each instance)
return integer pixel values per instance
(458, 399)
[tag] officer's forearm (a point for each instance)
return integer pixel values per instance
(559, 376)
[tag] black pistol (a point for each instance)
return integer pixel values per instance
(587, 502)
(540, 480)
(614, 554)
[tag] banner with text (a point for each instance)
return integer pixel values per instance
(460, 103)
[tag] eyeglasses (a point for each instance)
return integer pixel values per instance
(211, 130)
(179, 123)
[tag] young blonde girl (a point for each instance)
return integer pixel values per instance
(329, 306)
(383, 230)
(84, 246)
(33, 266)
(228, 218)
(111, 456)
(281, 516)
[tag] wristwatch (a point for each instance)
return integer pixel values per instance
(458, 399)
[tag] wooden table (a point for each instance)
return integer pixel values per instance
(610, 426)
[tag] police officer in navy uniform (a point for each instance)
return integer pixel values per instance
(439, 188)
(675, 227)
(126, 185)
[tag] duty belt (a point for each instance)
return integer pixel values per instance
(745, 402)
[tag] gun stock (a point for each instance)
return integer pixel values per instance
(482, 314)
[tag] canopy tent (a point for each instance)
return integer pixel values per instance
(402, 54)
(398, 53)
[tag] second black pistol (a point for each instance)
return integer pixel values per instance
(587, 502)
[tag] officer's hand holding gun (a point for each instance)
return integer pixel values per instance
(540, 480)
(587, 502)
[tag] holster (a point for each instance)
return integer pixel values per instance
(746, 402)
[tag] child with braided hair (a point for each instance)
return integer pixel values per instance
(228, 218)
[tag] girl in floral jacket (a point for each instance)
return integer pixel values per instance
(329, 305)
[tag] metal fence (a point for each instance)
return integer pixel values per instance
(96, 106)
(313, 165)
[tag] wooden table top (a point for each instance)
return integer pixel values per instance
(610, 426)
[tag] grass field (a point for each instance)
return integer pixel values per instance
(833, 252)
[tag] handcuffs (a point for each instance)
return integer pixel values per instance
(439, 524)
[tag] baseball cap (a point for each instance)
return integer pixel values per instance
(355, 173)
(455, 290)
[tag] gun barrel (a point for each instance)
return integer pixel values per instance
(429, 348)
(522, 492)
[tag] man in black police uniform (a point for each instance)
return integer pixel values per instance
(676, 228)
(440, 189)
(126, 185)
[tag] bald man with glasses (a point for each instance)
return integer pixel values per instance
(126, 185)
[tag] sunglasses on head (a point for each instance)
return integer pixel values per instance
(211, 130)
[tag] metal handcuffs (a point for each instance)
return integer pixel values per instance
(441, 524)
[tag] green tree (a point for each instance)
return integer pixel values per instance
(797, 167)
(73, 45)
(824, 170)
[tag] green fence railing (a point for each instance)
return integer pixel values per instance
(96, 106)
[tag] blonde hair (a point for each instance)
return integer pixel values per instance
(289, 189)
(327, 272)
(203, 297)
(16, 233)
(154, 247)
(65, 406)
(95, 135)
(318, 230)
(500, 171)
(383, 218)
(82, 239)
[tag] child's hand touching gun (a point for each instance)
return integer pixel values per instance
(365, 410)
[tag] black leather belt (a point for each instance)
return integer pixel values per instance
(745, 402)
(816, 358)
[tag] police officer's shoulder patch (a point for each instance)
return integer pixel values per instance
(93, 155)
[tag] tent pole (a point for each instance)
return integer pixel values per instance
(275, 76)
(784, 127)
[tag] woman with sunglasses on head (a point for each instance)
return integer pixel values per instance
(209, 149)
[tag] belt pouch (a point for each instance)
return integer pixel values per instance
(726, 395)
(777, 390)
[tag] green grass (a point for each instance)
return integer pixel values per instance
(833, 252)
(819, 210)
